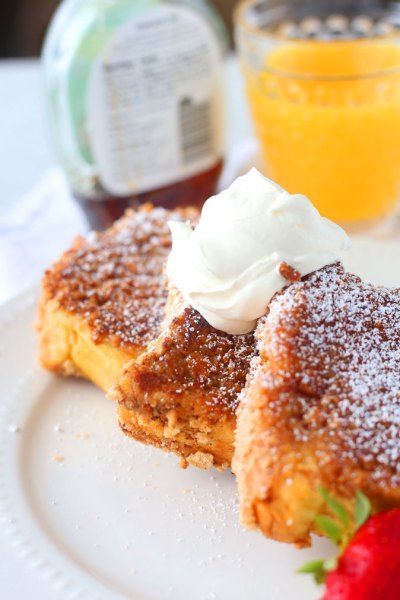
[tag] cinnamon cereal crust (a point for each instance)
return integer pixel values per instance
(182, 393)
(104, 300)
(322, 406)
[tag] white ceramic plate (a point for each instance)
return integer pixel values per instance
(88, 513)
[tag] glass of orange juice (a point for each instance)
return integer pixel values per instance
(323, 83)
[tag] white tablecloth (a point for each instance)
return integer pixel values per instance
(35, 231)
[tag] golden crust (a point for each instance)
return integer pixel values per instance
(181, 395)
(322, 406)
(66, 347)
(104, 300)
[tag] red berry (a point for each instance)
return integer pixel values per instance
(369, 568)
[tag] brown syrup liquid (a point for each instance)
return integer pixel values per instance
(193, 191)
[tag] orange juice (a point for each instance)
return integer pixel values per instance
(327, 115)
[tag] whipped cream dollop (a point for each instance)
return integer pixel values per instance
(228, 267)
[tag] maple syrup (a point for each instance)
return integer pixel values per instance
(135, 102)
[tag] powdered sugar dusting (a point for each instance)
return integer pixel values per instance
(197, 358)
(338, 341)
(115, 280)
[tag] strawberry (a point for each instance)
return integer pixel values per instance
(368, 566)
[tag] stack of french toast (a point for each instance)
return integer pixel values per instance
(311, 398)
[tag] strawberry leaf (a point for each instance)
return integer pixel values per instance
(312, 567)
(362, 509)
(319, 568)
(330, 528)
(315, 568)
(339, 531)
(330, 564)
(320, 577)
(336, 507)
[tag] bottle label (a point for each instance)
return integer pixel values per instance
(154, 102)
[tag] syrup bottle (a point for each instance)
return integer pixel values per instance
(135, 106)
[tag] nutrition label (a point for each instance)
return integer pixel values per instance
(154, 102)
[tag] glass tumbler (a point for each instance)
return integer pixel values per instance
(323, 84)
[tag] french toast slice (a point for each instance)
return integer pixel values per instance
(322, 406)
(181, 395)
(104, 300)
